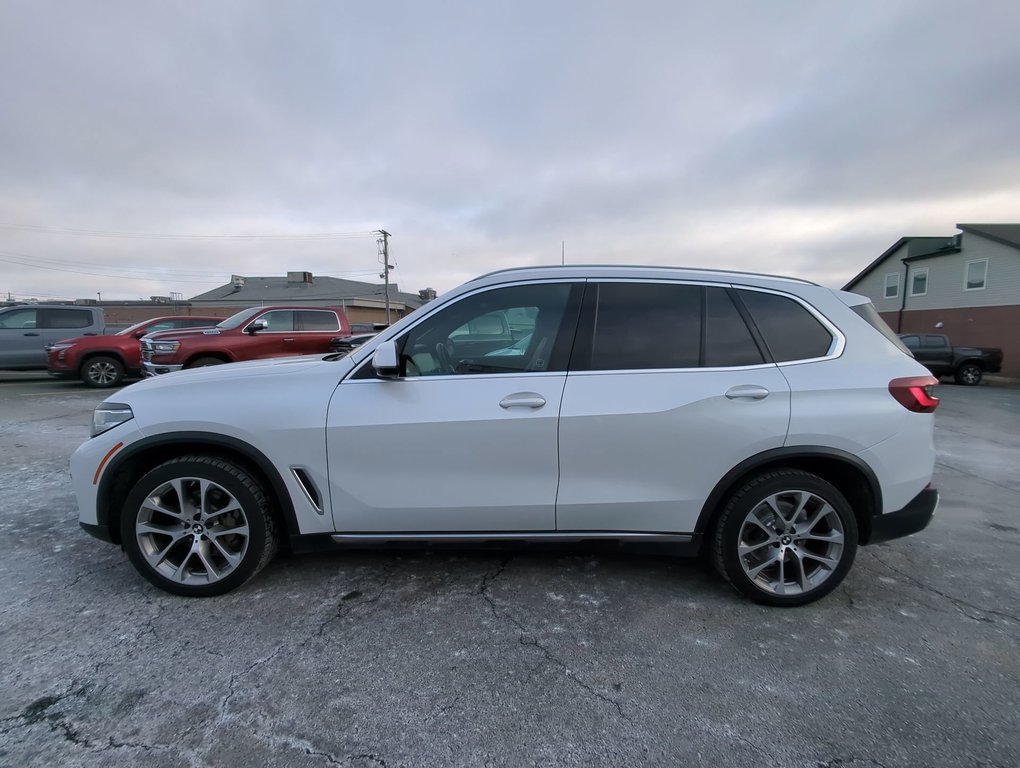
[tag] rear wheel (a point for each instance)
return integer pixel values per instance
(102, 371)
(968, 374)
(785, 538)
(198, 526)
(202, 362)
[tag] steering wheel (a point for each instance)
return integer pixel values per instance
(444, 355)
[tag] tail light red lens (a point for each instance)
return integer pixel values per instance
(915, 393)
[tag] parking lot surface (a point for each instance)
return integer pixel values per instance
(563, 657)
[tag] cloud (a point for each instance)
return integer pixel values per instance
(796, 138)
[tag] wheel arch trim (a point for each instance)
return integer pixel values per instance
(794, 454)
(110, 486)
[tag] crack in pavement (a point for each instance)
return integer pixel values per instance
(39, 713)
(238, 675)
(526, 639)
(959, 604)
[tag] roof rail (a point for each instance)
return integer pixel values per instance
(686, 270)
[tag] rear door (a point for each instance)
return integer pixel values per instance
(668, 389)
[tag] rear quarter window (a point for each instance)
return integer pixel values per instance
(790, 331)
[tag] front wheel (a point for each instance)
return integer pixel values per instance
(102, 371)
(202, 362)
(198, 526)
(968, 374)
(785, 538)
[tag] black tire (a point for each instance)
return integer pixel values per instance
(782, 485)
(102, 371)
(202, 362)
(968, 374)
(189, 553)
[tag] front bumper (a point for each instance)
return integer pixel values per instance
(157, 369)
(903, 522)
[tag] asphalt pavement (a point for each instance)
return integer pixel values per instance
(492, 658)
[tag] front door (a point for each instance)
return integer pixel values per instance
(466, 439)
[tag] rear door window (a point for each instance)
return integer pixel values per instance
(641, 326)
(316, 320)
(789, 329)
(728, 341)
(65, 318)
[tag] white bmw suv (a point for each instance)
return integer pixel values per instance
(769, 422)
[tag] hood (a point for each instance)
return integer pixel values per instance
(277, 366)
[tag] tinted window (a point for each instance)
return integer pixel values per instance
(789, 330)
(475, 336)
(66, 318)
(644, 325)
(728, 341)
(912, 342)
(198, 323)
(935, 341)
(316, 320)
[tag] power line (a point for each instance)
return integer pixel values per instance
(173, 236)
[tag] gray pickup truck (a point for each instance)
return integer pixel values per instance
(26, 330)
(967, 365)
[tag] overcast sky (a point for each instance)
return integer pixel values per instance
(799, 138)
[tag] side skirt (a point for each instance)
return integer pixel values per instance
(682, 544)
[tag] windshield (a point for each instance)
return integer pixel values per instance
(240, 318)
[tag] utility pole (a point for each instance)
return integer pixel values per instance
(384, 240)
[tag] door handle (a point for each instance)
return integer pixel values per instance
(747, 392)
(31, 334)
(522, 400)
(288, 339)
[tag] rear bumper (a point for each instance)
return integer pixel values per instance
(903, 522)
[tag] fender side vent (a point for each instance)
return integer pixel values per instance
(311, 492)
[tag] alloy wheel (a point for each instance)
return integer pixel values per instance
(192, 531)
(790, 543)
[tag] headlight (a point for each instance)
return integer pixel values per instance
(165, 347)
(109, 415)
(58, 347)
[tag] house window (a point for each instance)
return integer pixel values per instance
(919, 282)
(975, 274)
(892, 285)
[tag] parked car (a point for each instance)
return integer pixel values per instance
(251, 334)
(967, 365)
(770, 422)
(105, 361)
(26, 330)
(347, 344)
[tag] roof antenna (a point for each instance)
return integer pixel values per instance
(563, 252)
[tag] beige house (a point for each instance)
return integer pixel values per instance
(965, 285)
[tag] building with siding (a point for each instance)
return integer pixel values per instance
(965, 285)
(361, 302)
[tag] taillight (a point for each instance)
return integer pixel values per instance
(915, 393)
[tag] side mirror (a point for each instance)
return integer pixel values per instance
(258, 325)
(385, 362)
(139, 334)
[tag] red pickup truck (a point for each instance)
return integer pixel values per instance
(104, 361)
(251, 334)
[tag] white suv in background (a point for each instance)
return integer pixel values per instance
(773, 423)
